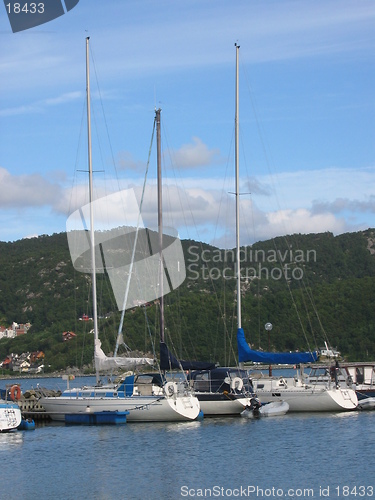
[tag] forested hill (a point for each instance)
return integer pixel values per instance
(312, 288)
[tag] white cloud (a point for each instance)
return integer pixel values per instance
(302, 221)
(39, 106)
(204, 209)
(125, 161)
(195, 154)
(24, 191)
(340, 205)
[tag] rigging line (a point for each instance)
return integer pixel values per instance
(278, 256)
(193, 219)
(299, 316)
(175, 353)
(265, 147)
(304, 292)
(267, 157)
(135, 244)
(74, 180)
(303, 289)
(104, 117)
(308, 290)
(173, 163)
(229, 157)
(312, 300)
(150, 334)
(258, 121)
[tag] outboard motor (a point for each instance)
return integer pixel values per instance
(255, 405)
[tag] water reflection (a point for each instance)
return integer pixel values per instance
(10, 440)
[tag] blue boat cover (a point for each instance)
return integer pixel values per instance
(168, 361)
(245, 353)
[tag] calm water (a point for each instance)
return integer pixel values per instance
(295, 456)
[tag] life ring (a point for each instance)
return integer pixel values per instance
(169, 388)
(236, 383)
(15, 392)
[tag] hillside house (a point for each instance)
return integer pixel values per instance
(68, 336)
(7, 363)
(36, 357)
(15, 330)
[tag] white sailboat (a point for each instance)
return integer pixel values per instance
(299, 395)
(303, 396)
(145, 399)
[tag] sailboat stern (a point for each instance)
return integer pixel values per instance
(345, 399)
(182, 401)
(186, 407)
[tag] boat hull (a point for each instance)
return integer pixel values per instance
(140, 408)
(308, 398)
(216, 404)
(10, 416)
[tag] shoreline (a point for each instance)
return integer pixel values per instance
(44, 375)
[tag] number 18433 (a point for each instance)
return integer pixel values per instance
(26, 8)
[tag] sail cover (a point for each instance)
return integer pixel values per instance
(168, 361)
(103, 362)
(245, 353)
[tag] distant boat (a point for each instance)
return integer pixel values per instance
(299, 395)
(150, 402)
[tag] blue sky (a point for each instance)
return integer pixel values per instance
(307, 114)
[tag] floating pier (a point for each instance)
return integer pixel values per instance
(97, 418)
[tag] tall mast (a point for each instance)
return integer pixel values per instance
(160, 224)
(237, 193)
(92, 235)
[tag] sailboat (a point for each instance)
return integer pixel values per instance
(221, 391)
(141, 398)
(299, 395)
